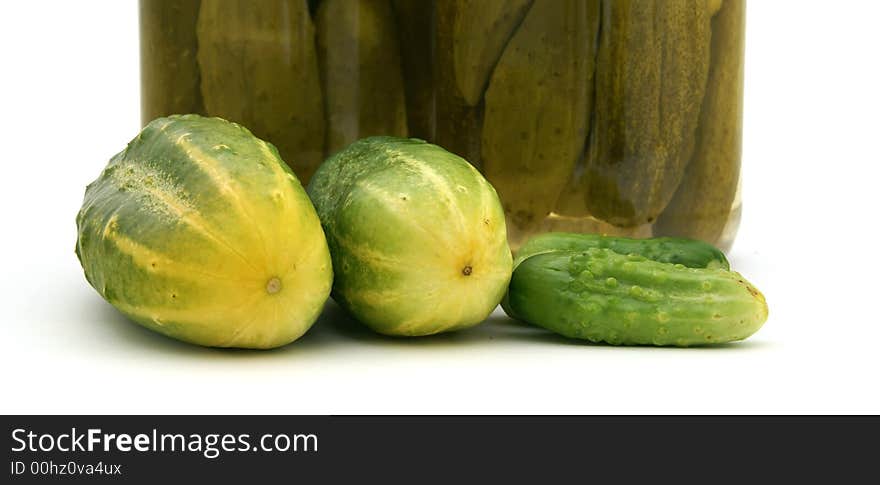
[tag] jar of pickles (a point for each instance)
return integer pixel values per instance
(610, 116)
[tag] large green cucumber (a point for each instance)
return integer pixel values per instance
(687, 252)
(417, 236)
(199, 231)
(359, 59)
(602, 296)
(259, 68)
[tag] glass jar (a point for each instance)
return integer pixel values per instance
(618, 117)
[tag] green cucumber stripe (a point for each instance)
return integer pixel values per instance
(401, 210)
(371, 296)
(440, 181)
(285, 180)
(183, 212)
(368, 254)
(160, 315)
(164, 196)
(197, 157)
(154, 261)
(436, 179)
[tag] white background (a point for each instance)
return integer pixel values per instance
(69, 100)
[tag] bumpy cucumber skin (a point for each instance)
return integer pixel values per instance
(417, 236)
(601, 296)
(687, 252)
(199, 231)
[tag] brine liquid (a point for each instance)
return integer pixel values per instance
(621, 118)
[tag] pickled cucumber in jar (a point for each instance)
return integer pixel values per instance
(470, 38)
(651, 72)
(703, 205)
(415, 28)
(169, 70)
(619, 117)
(359, 61)
(537, 109)
(259, 68)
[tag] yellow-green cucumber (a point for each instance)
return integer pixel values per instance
(417, 236)
(199, 231)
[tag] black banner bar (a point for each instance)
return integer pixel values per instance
(417, 449)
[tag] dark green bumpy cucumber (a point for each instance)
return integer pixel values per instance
(602, 296)
(687, 252)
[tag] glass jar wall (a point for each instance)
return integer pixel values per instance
(618, 117)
